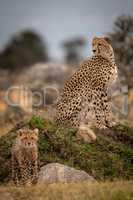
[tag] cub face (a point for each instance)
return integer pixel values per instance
(102, 46)
(27, 138)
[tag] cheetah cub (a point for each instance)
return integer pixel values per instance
(25, 157)
(88, 90)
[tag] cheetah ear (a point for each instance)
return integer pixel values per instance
(20, 132)
(94, 38)
(107, 40)
(36, 131)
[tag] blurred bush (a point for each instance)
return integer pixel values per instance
(122, 41)
(73, 50)
(24, 49)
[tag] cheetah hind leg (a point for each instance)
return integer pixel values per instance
(85, 132)
(67, 112)
(74, 120)
(35, 170)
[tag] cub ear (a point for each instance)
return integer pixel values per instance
(95, 38)
(107, 40)
(20, 132)
(36, 131)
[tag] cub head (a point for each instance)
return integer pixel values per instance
(102, 47)
(28, 138)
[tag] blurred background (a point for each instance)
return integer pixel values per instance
(43, 42)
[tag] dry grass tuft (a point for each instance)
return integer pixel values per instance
(76, 191)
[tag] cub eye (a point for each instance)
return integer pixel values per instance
(99, 44)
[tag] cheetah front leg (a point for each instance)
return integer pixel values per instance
(24, 172)
(99, 115)
(106, 104)
(15, 170)
(34, 175)
(98, 109)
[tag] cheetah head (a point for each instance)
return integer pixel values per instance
(27, 138)
(102, 47)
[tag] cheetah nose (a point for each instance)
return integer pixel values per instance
(94, 50)
(29, 143)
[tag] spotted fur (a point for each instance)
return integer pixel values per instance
(25, 157)
(88, 88)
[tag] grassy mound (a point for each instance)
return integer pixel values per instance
(111, 157)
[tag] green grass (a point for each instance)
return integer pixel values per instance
(37, 122)
(125, 128)
(106, 159)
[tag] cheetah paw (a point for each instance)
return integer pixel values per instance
(86, 134)
(111, 124)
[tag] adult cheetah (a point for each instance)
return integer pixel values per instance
(88, 88)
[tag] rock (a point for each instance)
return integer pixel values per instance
(58, 173)
(41, 75)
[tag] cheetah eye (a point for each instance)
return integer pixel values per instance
(25, 138)
(99, 44)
